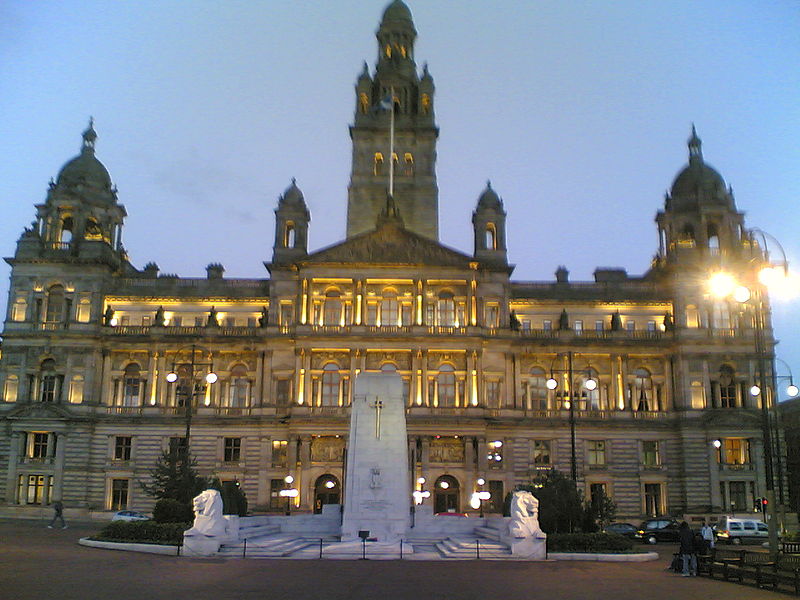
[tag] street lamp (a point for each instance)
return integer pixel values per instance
(480, 495)
(195, 375)
(421, 493)
(568, 398)
(289, 493)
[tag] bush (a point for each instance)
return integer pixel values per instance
(143, 532)
(168, 510)
(588, 542)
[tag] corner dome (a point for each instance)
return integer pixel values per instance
(489, 198)
(293, 196)
(698, 183)
(85, 169)
(397, 11)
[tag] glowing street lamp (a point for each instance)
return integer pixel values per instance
(191, 371)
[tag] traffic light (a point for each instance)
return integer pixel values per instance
(764, 508)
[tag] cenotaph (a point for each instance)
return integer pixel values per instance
(377, 486)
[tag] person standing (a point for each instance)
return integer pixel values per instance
(687, 550)
(708, 535)
(58, 514)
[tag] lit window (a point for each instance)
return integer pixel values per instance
(11, 388)
(132, 385)
(330, 385)
(650, 454)
(377, 165)
(425, 102)
(55, 304)
(279, 453)
(446, 386)
(541, 453)
(20, 309)
(409, 164)
(122, 447)
(363, 103)
(446, 308)
(239, 387)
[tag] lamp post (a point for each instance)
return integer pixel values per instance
(724, 285)
(289, 493)
(568, 397)
(195, 375)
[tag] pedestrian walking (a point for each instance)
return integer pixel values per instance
(687, 550)
(58, 514)
(708, 535)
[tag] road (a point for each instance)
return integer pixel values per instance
(37, 563)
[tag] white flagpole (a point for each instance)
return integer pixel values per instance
(391, 143)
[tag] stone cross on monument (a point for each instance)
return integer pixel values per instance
(377, 405)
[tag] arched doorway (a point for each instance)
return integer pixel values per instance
(326, 491)
(446, 494)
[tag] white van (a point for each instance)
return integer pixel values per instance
(736, 531)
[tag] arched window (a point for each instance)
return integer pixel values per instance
(409, 164)
(19, 310)
(490, 240)
(642, 397)
(238, 387)
(388, 51)
(727, 387)
(446, 386)
(377, 164)
(390, 310)
(132, 385)
(330, 385)
(388, 368)
(687, 233)
(67, 226)
(395, 161)
(289, 235)
(537, 389)
(363, 103)
(55, 304)
(93, 231)
(425, 103)
(446, 492)
(713, 239)
(48, 381)
(327, 490)
(446, 309)
(333, 308)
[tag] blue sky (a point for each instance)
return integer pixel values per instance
(577, 111)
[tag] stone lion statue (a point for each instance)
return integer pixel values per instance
(208, 519)
(524, 516)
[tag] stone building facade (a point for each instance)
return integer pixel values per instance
(649, 370)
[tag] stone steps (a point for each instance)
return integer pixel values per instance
(463, 547)
(489, 533)
(256, 531)
(270, 546)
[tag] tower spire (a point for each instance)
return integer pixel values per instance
(89, 137)
(695, 148)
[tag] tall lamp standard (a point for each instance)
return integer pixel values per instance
(194, 375)
(568, 397)
(725, 285)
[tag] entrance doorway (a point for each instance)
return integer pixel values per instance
(327, 490)
(446, 494)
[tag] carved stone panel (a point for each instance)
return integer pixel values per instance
(327, 449)
(447, 450)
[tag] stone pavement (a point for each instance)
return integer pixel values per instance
(37, 563)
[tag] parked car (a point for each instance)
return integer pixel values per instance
(658, 530)
(625, 529)
(129, 515)
(736, 531)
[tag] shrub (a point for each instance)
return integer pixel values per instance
(588, 542)
(168, 510)
(143, 532)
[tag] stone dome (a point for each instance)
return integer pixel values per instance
(397, 11)
(489, 198)
(85, 169)
(293, 196)
(698, 183)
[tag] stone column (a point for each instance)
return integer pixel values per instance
(667, 395)
(469, 454)
(713, 477)
(306, 486)
(264, 463)
(13, 461)
(106, 395)
(151, 378)
(483, 463)
(161, 382)
(426, 461)
(707, 385)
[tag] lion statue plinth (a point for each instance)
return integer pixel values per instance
(524, 516)
(208, 519)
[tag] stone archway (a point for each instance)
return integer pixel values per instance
(327, 490)
(446, 495)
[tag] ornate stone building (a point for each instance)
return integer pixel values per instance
(648, 370)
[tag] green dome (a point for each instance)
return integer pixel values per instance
(397, 11)
(85, 169)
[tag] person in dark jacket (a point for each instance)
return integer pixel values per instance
(58, 514)
(687, 551)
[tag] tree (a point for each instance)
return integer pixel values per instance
(234, 500)
(560, 502)
(601, 510)
(175, 476)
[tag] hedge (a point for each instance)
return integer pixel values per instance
(609, 543)
(143, 532)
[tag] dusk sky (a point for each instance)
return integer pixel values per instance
(578, 112)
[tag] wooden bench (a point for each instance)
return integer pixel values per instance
(758, 567)
(785, 571)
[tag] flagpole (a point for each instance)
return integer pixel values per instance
(391, 143)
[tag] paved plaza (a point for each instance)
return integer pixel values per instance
(40, 563)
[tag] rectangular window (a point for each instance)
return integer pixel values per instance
(738, 495)
(650, 455)
(230, 322)
(630, 325)
(20, 309)
(83, 313)
(276, 502)
(547, 325)
(119, 494)
(577, 326)
(122, 447)
(178, 321)
(598, 325)
(233, 449)
(11, 388)
(372, 313)
(596, 453)
(526, 325)
(597, 491)
(541, 453)
(651, 326)
(251, 321)
(735, 451)
(279, 453)
(48, 391)
(492, 315)
(76, 390)
(177, 445)
(407, 311)
(146, 320)
(36, 492)
(124, 320)
(199, 321)
(37, 445)
(493, 394)
(652, 499)
(286, 314)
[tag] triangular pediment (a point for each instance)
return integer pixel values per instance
(38, 410)
(390, 244)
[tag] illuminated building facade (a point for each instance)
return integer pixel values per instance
(648, 370)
